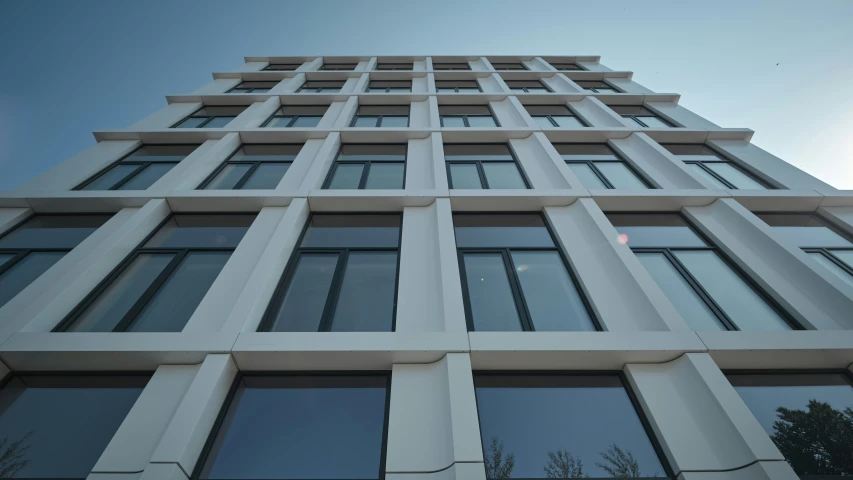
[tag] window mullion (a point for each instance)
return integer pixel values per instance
(205, 122)
(129, 176)
(697, 287)
(334, 291)
(152, 289)
(364, 173)
(832, 258)
(515, 285)
(600, 175)
(716, 175)
(482, 172)
(246, 176)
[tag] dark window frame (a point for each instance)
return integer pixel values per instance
(722, 158)
(601, 176)
(694, 284)
(143, 164)
(252, 89)
(381, 116)
(484, 184)
(304, 88)
(209, 118)
(379, 66)
(572, 113)
(525, 89)
(248, 175)
(204, 456)
(519, 63)
(632, 397)
(638, 119)
(268, 319)
(365, 172)
(139, 305)
(512, 276)
(466, 63)
(560, 67)
(339, 67)
(456, 88)
(825, 251)
(604, 81)
(390, 89)
(271, 64)
(465, 116)
(294, 118)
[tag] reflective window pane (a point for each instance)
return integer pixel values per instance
(831, 266)
(192, 122)
(365, 121)
(347, 175)
(160, 153)
(175, 301)
(395, 122)
(562, 426)
(699, 170)
(116, 301)
(808, 416)
(845, 256)
(549, 292)
(111, 177)
(366, 299)
(279, 122)
(654, 122)
(804, 230)
(566, 121)
(479, 122)
(503, 175)
(385, 175)
(655, 230)
(266, 176)
(352, 231)
(20, 275)
(303, 304)
(734, 176)
(543, 122)
(147, 176)
(619, 175)
(740, 302)
(452, 121)
(228, 177)
(465, 175)
(686, 301)
(58, 426)
(489, 293)
(505, 230)
(586, 175)
(5, 257)
(53, 231)
(306, 122)
(197, 231)
(306, 427)
(218, 122)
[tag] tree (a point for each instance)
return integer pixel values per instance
(817, 441)
(619, 463)
(12, 457)
(496, 465)
(561, 464)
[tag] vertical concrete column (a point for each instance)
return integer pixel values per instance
(815, 298)
(218, 86)
(507, 114)
(300, 167)
(322, 162)
(346, 114)
(432, 421)
(421, 84)
(481, 64)
(555, 158)
(623, 295)
(699, 419)
(537, 63)
(526, 119)
(597, 114)
(420, 65)
(431, 88)
(419, 115)
(288, 85)
(492, 83)
(10, 217)
(355, 84)
(255, 115)
(256, 290)
(681, 115)
(419, 165)
(182, 442)
(429, 293)
(165, 117)
(86, 266)
(439, 166)
(132, 446)
(768, 166)
(434, 116)
(311, 65)
(367, 65)
(539, 167)
(192, 170)
(559, 83)
(79, 168)
(661, 167)
(428, 64)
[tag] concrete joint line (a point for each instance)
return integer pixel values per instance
(180, 467)
(730, 469)
(434, 471)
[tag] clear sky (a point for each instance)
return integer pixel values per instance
(782, 68)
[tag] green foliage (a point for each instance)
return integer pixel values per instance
(498, 466)
(818, 441)
(561, 464)
(12, 457)
(619, 463)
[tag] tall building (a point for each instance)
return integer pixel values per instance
(425, 268)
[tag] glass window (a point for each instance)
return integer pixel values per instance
(508, 65)
(597, 166)
(567, 67)
(289, 427)
(527, 86)
(339, 66)
(509, 287)
(670, 249)
(476, 116)
(711, 166)
(808, 416)
(253, 167)
(734, 176)
(30, 249)
(57, 426)
(457, 86)
(343, 277)
(844, 269)
(641, 116)
(140, 169)
(562, 426)
(161, 284)
(549, 116)
(253, 87)
(389, 86)
(282, 66)
(450, 66)
(211, 117)
(394, 66)
(482, 166)
(321, 87)
(368, 166)
(597, 86)
(297, 116)
(381, 116)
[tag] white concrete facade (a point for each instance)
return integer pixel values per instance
(705, 431)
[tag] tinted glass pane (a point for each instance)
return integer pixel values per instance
(306, 122)
(385, 175)
(267, 175)
(452, 121)
(302, 307)
(228, 177)
(53, 231)
(347, 175)
(586, 175)
(489, 293)
(542, 419)
(543, 122)
(24, 272)
(366, 300)
(486, 231)
(807, 416)
(191, 122)
(301, 428)
(697, 169)
(112, 305)
(735, 176)
(160, 153)
(503, 175)
(352, 231)
(686, 301)
(273, 152)
(395, 122)
(551, 296)
(829, 264)
(112, 176)
(5, 257)
(218, 122)
(175, 302)
(279, 122)
(365, 121)
(619, 175)
(482, 122)
(740, 302)
(464, 175)
(147, 177)
(844, 256)
(195, 231)
(816, 236)
(655, 230)
(63, 423)
(383, 153)
(654, 122)
(568, 122)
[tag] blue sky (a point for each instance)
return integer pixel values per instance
(69, 68)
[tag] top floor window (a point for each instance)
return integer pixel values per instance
(282, 67)
(451, 66)
(550, 116)
(321, 87)
(297, 116)
(567, 67)
(640, 115)
(253, 87)
(709, 165)
(30, 249)
(139, 169)
(389, 86)
(336, 67)
(527, 86)
(457, 86)
(701, 284)
(466, 116)
(508, 66)
(211, 117)
(597, 86)
(394, 66)
(597, 166)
